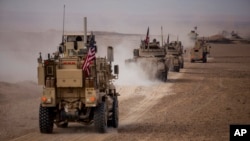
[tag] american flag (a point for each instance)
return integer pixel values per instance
(90, 56)
(147, 37)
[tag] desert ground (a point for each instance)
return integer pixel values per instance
(198, 103)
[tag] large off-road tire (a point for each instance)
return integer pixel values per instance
(46, 119)
(100, 118)
(177, 68)
(182, 65)
(164, 76)
(204, 59)
(115, 113)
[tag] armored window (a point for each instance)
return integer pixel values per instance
(71, 39)
(49, 70)
(78, 38)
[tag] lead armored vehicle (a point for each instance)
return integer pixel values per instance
(77, 86)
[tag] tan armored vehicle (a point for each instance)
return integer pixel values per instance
(151, 58)
(200, 51)
(174, 52)
(77, 86)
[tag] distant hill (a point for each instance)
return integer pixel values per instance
(114, 33)
(219, 39)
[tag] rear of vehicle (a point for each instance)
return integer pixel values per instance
(199, 52)
(198, 55)
(73, 92)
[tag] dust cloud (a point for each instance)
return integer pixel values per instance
(19, 52)
(129, 74)
(132, 73)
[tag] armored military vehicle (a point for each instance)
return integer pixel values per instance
(200, 51)
(174, 51)
(77, 86)
(235, 35)
(151, 58)
(193, 35)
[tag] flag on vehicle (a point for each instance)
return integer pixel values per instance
(90, 56)
(147, 37)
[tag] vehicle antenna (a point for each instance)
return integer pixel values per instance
(63, 23)
(161, 36)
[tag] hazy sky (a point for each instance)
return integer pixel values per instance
(119, 15)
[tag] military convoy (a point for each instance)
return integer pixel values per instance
(77, 86)
(151, 57)
(156, 60)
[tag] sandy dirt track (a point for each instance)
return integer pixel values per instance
(199, 103)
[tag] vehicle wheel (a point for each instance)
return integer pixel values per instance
(204, 60)
(182, 65)
(164, 76)
(100, 118)
(115, 113)
(177, 68)
(46, 119)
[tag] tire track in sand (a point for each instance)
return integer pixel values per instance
(151, 95)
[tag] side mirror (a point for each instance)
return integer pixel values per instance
(116, 69)
(75, 45)
(110, 55)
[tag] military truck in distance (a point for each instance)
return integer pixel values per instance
(174, 51)
(70, 94)
(200, 51)
(151, 58)
(193, 35)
